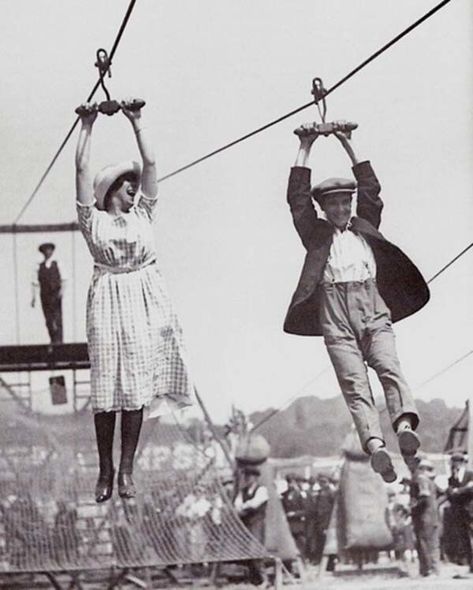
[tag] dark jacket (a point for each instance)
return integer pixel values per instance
(462, 500)
(293, 503)
(424, 506)
(399, 281)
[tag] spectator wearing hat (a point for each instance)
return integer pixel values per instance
(353, 285)
(135, 340)
(425, 518)
(250, 504)
(460, 496)
(310, 519)
(294, 504)
(50, 281)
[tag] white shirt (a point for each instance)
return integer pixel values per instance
(460, 474)
(351, 258)
(261, 496)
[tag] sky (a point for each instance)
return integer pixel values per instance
(211, 71)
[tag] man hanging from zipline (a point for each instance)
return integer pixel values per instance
(354, 284)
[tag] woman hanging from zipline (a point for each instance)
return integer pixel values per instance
(135, 340)
(353, 285)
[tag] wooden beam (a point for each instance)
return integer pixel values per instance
(38, 228)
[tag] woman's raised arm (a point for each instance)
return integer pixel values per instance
(149, 183)
(84, 187)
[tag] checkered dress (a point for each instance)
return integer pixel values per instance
(135, 340)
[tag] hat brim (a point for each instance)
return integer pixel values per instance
(46, 246)
(108, 175)
(320, 197)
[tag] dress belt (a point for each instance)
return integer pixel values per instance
(123, 269)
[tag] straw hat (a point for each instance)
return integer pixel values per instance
(108, 175)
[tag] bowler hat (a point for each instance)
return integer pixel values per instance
(459, 456)
(46, 246)
(108, 175)
(333, 186)
(251, 470)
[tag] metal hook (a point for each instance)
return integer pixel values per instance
(103, 63)
(318, 92)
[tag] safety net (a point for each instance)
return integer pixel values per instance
(49, 520)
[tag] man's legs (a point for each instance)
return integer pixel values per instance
(342, 320)
(379, 350)
(58, 334)
(48, 311)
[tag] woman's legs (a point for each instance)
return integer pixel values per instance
(104, 431)
(130, 434)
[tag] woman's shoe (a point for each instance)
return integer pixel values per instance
(126, 486)
(104, 487)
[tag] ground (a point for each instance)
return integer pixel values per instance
(382, 577)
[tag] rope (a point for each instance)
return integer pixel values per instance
(430, 379)
(438, 273)
(252, 133)
(89, 98)
(309, 104)
(296, 395)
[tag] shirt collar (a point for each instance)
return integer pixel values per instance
(348, 226)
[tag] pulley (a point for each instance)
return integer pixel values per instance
(108, 107)
(319, 92)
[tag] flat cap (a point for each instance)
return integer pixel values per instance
(251, 470)
(333, 186)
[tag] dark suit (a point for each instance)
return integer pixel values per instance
(294, 505)
(49, 279)
(400, 284)
(460, 495)
(425, 520)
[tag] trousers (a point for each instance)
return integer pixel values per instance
(52, 309)
(427, 545)
(357, 329)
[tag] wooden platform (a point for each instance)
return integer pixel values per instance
(44, 357)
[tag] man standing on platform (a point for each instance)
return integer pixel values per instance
(50, 281)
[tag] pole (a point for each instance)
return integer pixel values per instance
(223, 446)
(469, 432)
(15, 280)
(74, 301)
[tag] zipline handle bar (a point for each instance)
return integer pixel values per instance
(328, 128)
(110, 107)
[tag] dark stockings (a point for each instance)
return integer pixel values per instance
(130, 433)
(104, 430)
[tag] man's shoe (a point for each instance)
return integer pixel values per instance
(104, 487)
(382, 464)
(126, 486)
(409, 442)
